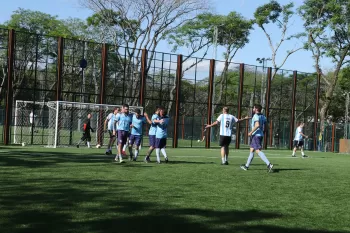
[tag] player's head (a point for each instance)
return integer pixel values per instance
(257, 108)
(157, 110)
(161, 110)
(225, 110)
(301, 124)
(89, 115)
(126, 108)
(116, 110)
(137, 112)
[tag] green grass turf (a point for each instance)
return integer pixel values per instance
(82, 190)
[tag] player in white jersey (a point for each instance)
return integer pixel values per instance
(299, 140)
(110, 121)
(226, 121)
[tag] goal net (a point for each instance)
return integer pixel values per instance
(30, 122)
(66, 122)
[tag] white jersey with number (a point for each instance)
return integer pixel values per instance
(298, 136)
(110, 119)
(226, 123)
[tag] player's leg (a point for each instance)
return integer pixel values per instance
(222, 150)
(301, 144)
(162, 149)
(262, 154)
(120, 146)
(126, 143)
(152, 146)
(110, 143)
(137, 145)
(295, 145)
(158, 149)
(88, 140)
(131, 143)
(83, 138)
(253, 146)
(227, 148)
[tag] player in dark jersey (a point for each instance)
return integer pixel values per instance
(86, 132)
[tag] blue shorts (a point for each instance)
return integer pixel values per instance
(135, 139)
(256, 142)
(160, 143)
(122, 136)
(152, 141)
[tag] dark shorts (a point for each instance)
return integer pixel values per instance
(122, 136)
(86, 136)
(298, 143)
(111, 134)
(135, 139)
(256, 142)
(152, 141)
(224, 141)
(160, 143)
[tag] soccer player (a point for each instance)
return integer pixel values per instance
(121, 127)
(299, 141)
(110, 121)
(86, 131)
(136, 132)
(257, 133)
(161, 134)
(226, 122)
(152, 135)
(32, 121)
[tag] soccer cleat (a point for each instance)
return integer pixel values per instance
(243, 167)
(294, 156)
(116, 158)
(134, 159)
(166, 160)
(158, 162)
(305, 156)
(147, 159)
(226, 162)
(77, 146)
(121, 161)
(269, 167)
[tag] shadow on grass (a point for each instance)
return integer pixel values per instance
(188, 162)
(73, 205)
(277, 170)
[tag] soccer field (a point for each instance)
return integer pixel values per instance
(82, 190)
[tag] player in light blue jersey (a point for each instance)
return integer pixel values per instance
(257, 133)
(110, 121)
(122, 125)
(152, 134)
(161, 134)
(226, 122)
(299, 140)
(136, 132)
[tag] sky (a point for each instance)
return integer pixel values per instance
(257, 47)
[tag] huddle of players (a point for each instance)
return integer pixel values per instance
(123, 125)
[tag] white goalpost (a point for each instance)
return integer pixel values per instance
(66, 119)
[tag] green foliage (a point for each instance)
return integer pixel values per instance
(267, 13)
(37, 22)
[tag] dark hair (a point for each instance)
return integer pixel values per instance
(125, 105)
(116, 108)
(161, 108)
(138, 111)
(258, 107)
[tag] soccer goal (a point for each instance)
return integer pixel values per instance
(66, 122)
(30, 121)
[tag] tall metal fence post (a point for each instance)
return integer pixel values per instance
(143, 77)
(267, 102)
(60, 56)
(292, 123)
(104, 65)
(9, 93)
(333, 137)
(317, 102)
(239, 103)
(177, 100)
(210, 101)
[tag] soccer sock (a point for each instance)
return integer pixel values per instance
(136, 153)
(88, 144)
(302, 153)
(124, 147)
(130, 151)
(250, 159)
(223, 159)
(163, 152)
(263, 157)
(157, 153)
(293, 153)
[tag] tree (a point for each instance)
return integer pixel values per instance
(142, 24)
(327, 24)
(280, 15)
(33, 49)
